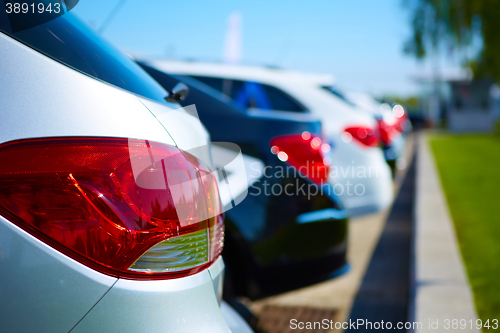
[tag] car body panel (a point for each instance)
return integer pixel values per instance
(69, 104)
(183, 305)
(37, 283)
(216, 271)
(178, 122)
(235, 322)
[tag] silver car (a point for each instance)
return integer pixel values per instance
(110, 220)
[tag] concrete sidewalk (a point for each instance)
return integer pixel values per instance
(441, 289)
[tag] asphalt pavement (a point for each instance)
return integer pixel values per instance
(385, 289)
(378, 284)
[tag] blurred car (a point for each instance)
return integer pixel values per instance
(358, 171)
(110, 221)
(393, 123)
(279, 237)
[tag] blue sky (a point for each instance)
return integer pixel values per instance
(359, 41)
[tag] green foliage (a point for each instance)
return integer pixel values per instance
(468, 167)
(453, 23)
(496, 130)
(412, 102)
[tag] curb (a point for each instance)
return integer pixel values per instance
(440, 290)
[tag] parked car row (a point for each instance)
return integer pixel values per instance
(123, 184)
(352, 134)
(274, 241)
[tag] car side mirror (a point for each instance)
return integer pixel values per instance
(178, 93)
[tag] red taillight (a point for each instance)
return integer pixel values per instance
(306, 153)
(125, 207)
(387, 132)
(401, 116)
(363, 135)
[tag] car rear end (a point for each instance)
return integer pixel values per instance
(107, 222)
(360, 175)
(393, 125)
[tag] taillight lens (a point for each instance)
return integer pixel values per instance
(387, 132)
(125, 207)
(364, 135)
(306, 153)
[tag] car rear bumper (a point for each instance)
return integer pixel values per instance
(396, 149)
(62, 295)
(294, 224)
(362, 178)
(318, 254)
(283, 277)
(186, 304)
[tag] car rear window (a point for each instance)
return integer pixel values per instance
(69, 41)
(281, 100)
(249, 94)
(339, 94)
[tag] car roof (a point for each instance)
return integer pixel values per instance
(241, 72)
(304, 87)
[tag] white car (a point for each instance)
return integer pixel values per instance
(393, 123)
(359, 173)
(109, 219)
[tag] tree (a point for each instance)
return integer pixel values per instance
(453, 24)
